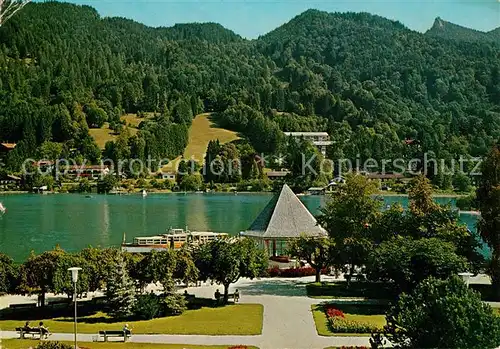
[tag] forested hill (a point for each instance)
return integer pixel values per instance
(370, 82)
(447, 30)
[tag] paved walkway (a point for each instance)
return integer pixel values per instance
(288, 322)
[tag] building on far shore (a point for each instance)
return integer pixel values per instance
(283, 219)
(6, 148)
(320, 139)
(274, 175)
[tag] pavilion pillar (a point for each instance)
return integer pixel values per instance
(274, 248)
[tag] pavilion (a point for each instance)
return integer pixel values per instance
(283, 219)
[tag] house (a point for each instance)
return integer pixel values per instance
(385, 176)
(87, 171)
(276, 175)
(7, 180)
(316, 190)
(166, 175)
(320, 139)
(283, 219)
(6, 148)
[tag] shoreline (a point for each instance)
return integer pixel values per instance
(160, 191)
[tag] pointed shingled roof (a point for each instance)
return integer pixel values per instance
(285, 216)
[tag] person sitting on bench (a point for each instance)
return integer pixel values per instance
(126, 329)
(44, 331)
(27, 327)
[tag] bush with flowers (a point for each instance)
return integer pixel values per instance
(339, 324)
(293, 272)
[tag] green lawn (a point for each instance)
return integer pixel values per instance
(357, 289)
(359, 313)
(240, 319)
(26, 344)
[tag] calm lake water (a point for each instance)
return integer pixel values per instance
(39, 222)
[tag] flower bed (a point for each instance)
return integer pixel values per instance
(339, 324)
(293, 272)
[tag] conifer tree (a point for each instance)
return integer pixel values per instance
(121, 290)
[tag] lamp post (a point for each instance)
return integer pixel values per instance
(74, 277)
(465, 277)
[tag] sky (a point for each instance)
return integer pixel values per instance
(251, 18)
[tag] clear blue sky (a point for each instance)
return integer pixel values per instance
(253, 18)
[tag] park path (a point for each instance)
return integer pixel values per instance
(287, 323)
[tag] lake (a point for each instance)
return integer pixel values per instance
(40, 222)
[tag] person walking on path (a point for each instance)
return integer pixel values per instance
(217, 296)
(236, 296)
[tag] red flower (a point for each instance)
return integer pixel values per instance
(332, 312)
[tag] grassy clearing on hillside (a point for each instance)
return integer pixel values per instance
(323, 328)
(104, 134)
(133, 119)
(240, 319)
(25, 344)
(203, 131)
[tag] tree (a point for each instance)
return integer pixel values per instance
(347, 217)
(420, 196)
(50, 151)
(38, 273)
(162, 266)
(121, 290)
(185, 268)
(98, 265)
(8, 274)
(405, 262)
(462, 182)
(488, 197)
(225, 261)
(319, 252)
(192, 182)
(442, 314)
(96, 116)
(106, 184)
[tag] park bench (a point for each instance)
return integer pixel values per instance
(22, 306)
(100, 299)
(59, 302)
(117, 334)
(189, 297)
(32, 331)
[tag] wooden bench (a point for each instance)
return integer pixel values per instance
(189, 297)
(60, 302)
(118, 334)
(22, 306)
(100, 299)
(32, 331)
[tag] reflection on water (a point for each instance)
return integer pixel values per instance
(39, 222)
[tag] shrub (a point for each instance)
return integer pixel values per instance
(174, 304)
(341, 325)
(53, 345)
(147, 307)
(238, 347)
(292, 272)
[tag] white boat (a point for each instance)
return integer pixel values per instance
(144, 193)
(173, 238)
(2, 208)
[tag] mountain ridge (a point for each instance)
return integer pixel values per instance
(449, 30)
(360, 77)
